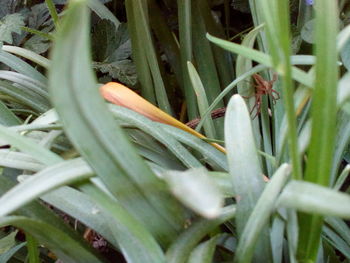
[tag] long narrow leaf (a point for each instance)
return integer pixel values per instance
(97, 136)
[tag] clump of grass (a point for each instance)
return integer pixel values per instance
(157, 193)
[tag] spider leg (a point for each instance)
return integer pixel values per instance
(257, 106)
(277, 94)
(274, 78)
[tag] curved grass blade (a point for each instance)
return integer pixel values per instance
(5, 257)
(103, 12)
(212, 155)
(23, 96)
(18, 160)
(118, 94)
(185, 39)
(260, 215)
(202, 99)
(65, 247)
(261, 58)
(323, 114)
(149, 127)
(28, 54)
(20, 66)
(97, 136)
(7, 117)
(204, 252)
(194, 188)
(244, 168)
(80, 206)
(180, 250)
(136, 243)
(32, 247)
(29, 146)
(145, 38)
(50, 178)
(142, 67)
(312, 198)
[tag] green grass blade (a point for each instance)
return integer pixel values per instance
(194, 188)
(28, 54)
(276, 14)
(29, 146)
(24, 96)
(80, 206)
(260, 215)
(261, 58)
(103, 12)
(166, 40)
(50, 178)
(65, 247)
(7, 117)
(202, 100)
(204, 252)
(18, 160)
(137, 244)
(210, 153)
(98, 137)
(150, 127)
(244, 167)
(32, 247)
(52, 9)
(323, 114)
(180, 250)
(185, 39)
(223, 61)
(203, 54)
(227, 90)
(142, 67)
(146, 41)
(20, 66)
(312, 198)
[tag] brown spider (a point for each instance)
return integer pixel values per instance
(263, 87)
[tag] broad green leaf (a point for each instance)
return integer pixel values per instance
(195, 189)
(314, 199)
(98, 137)
(9, 24)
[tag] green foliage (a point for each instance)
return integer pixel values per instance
(86, 181)
(10, 24)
